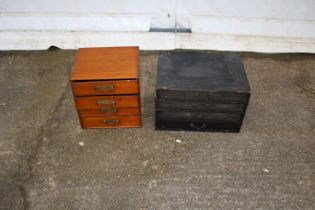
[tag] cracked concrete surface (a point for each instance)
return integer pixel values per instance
(45, 165)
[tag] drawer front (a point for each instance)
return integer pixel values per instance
(96, 102)
(229, 97)
(105, 87)
(162, 104)
(111, 121)
(196, 126)
(108, 111)
(200, 116)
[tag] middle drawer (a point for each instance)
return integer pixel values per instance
(108, 111)
(97, 102)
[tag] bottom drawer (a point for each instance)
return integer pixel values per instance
(199, 116)
(196, 126)
(111, 122)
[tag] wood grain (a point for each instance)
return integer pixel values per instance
(109, 112)
(120, 101)
(95, 88)
(100, 122)
(106, 63)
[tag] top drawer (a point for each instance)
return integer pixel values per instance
(206, 96)
(105, 87)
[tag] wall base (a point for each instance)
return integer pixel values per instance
(39, 40)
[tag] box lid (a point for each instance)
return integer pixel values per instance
(106, 63)
(198, 71)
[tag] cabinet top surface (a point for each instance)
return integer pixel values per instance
(196, 71)
(106, 63)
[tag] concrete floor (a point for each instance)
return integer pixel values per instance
(44, 164)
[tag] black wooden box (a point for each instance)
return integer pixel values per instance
(201, 92)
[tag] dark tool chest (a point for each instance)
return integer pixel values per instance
(198, 91)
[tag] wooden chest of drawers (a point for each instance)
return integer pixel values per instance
(105, 84)
(201, 92)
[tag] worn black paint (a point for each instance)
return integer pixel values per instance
(201, 91)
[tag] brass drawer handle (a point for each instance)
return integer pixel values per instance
(104, 87)
(106, 102)
(111, 122)
(108, 109)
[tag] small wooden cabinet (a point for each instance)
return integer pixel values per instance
(105, 84)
